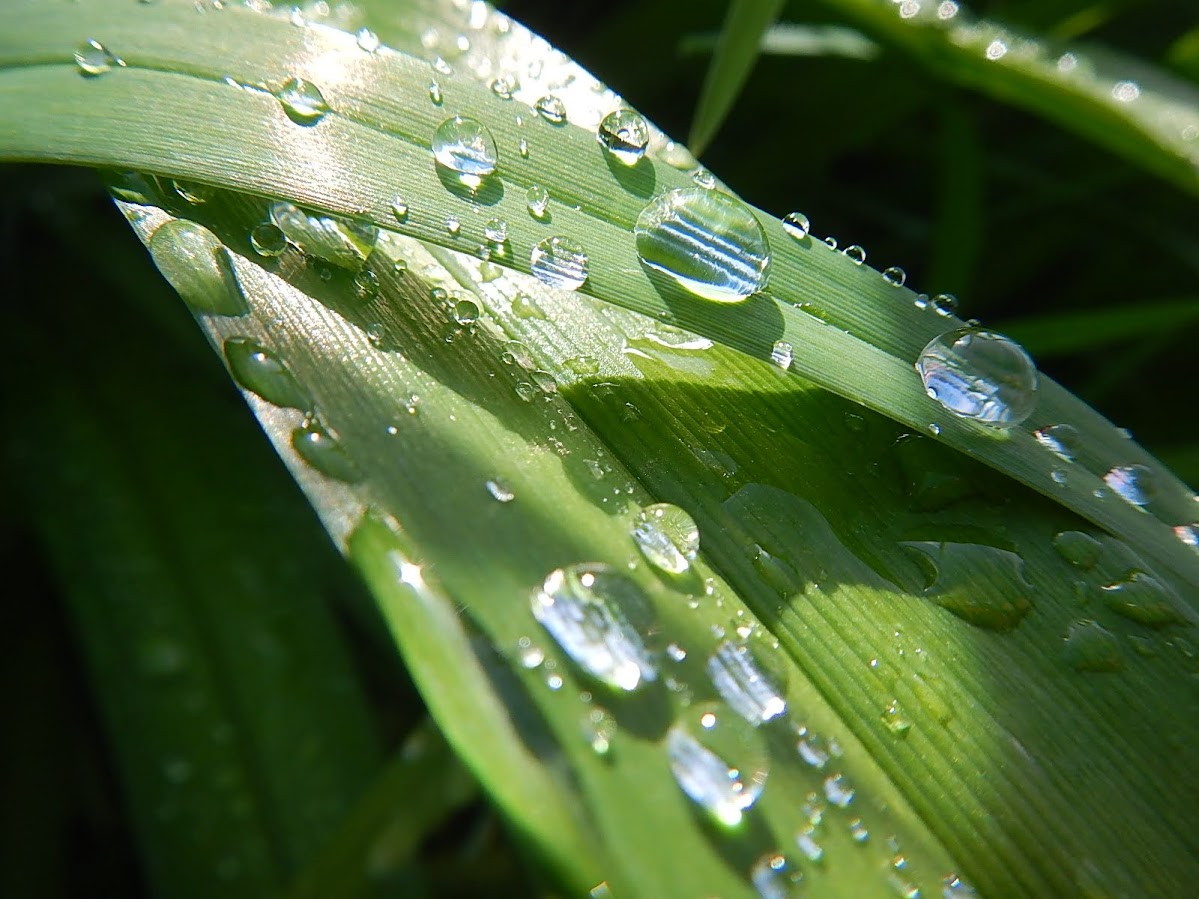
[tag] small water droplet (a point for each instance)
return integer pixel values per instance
(1188, 534)
(830, 242)
(198, 266)
(718, 761)
(952, 569)
(500, 491)
(625, 135)
(707, 241)
(367, 40)
(399, 209)
(597, 615)
(952, 886)
(797, 225)
(1079, 549)
(1061, 440)
(261, 372)
(435, 94)
(1059, 477)
(1135, 484)
(559, 262)
(538, 200)
(268, 240)
(551, 108)
(667, 536)
(496, 233)
(740, 680)
(895, 276)
(503, 87)
(980, 375)
(805, 841)
(466, 312)
(465, 146)
(531, 656)
(1142, 598)
(1125, 91)
(1087, 646)
(812, 750)
(858, 831)
(453, 227)
(703, 178)
(838, 791)
(375, 333)
(366, 285)
(944, 304)
(781, 354)
(93, 58)
(302, 101)
(522, 147)
(773, 878)
(896, 719)
(599, 729)
(855, 254)
(324, 453)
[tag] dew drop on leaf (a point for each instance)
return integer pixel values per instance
(707, 241)
(1135, 484)
(538, 200)
(268, 240)
(325, 453)
(781, 354)
(1079, 549)
(93, 58)
(465, 146)
(302, 101)
(895, 276)
(559, 262)
(854, 254)
(1142, 598)
(796, 224)
(1061, 440)
(718, 761)
(1088, 646)
(980, 375)
(261, 372)
(625, 135)
(667, 536)
(741, 681)
(551, 108)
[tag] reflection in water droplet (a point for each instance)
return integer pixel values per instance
(805, 841)
(1079, 549)
(667, 536)
(624, 134)
(302, 101)
(559, 262)
(324, 453)
(260, 372)
(781, 354)
(895, 276)
(718, 761)
(797, 225)
(1142, 598)
(93, 58)
(551, 108)
(709, 242)
(1063, 441)
(597, 616)
(739, 679)
(268, 240)
(1087, 646)
(538, 200)
(465, 146)
(435, 93)
(192, 192)
(503, 87)
(1135, 484)
(980, 375)
(198, 266)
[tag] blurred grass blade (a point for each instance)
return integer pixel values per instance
(736, 52)
(794, 39)
(1135, 110)
(1063, 335)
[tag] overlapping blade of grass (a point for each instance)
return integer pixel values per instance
(736, 51)
(1144, 114)
(374, 145)
(237, 722)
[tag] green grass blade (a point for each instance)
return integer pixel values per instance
(1062, 335)
(790, 39)
(736, 51)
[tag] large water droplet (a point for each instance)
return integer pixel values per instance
(197, 265)
(739, 678)
(980, 375)
(465, 146)
(93, 58)
(559, 262)
(325, 453)
(718, 761)
(597, 615)
(707, 241)
(624, 134)
(667, 536)
(302, 101)
(1142, 598)
(1088, 646)
(261, 372)
(1135, 484)
(1063, 441)
(344, 243)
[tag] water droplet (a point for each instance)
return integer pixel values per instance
(522, 147)
(895, 276)
(718, 761)
(855, 254)
(599, 729)
(1135, 484)
(503, 87)
(399, 208)
(367, 40)
(952, 886)
(453, 227)
(1079, 549)
(838, 791)
(194, 193)
(796, 224)
(1061, 440)
(805, 840)
(261, 372)
(302, 101)
(375, 333)
(954, 570)
(500, 491)
(709, 242)
(944, 304)
(559, 262)
(551, 108)
(667, 536)
(324, 453)
(1125, 91)
(93, 58)
(773, 878)
(597, 615)
(812, 750)
(538, 200)
(895, 719)
(466, 312)
(496, 233)
(366, 285)
(858, 831)
(980, 375)
(531, 656)
(830, 242)
(1188, 534)
(1142, 598)
(465, 146)
(738, 677)
(268, 240)
(703, 178)
(1087, 646)
(198, 266)
(435, 93)
(344, 243)
(624, 134)
(781, 354)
